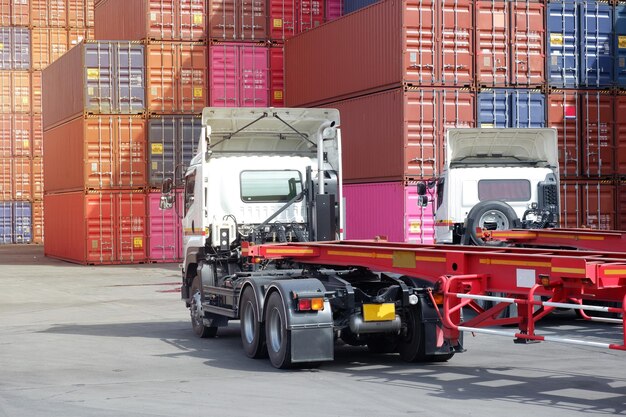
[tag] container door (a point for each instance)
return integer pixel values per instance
(100, 227)
(222, 20)
(492, 37)
(161, 20)
(20, 44)
(162, 231)
(223, 71)
(527, 44)
(620, 137)
(22, 215)
(21, 133)
(187, 135)
(6, 179)
(333, 9)
(563, 115)
(6, 222)
(282, 19)
(528, 109)
(21, 91)
(99, 152)
(493, 109)
(192, 67)
(598, 146)
(161, 146)
(596, 38)
(161, 73)
(277, 76)
(254, 81)
(191, 20)
(99, 75)
(419, 225)
(22, 186)
(620, 44)
(251, 20)
(310, 14)
(420, 40)
(457, 43)
(130, 91)
(6, 50)
(130, 140)
(130, 218)
(598, 205)
(6, 135)
(563, 44)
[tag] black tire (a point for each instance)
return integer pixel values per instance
(252, 330)
(277, 337)
(490, 215)
(412, 345)
(196, 312)
(382, 344)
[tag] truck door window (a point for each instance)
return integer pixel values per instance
(190, 184)
(506, 190)
(270, 186)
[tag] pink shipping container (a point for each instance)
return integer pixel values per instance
(589, 203)
(239, 75)
(510, 43)
(277, 76)
(385, 45)
(334, 9)
(237, 20)
(103, 227)
(290, 17)
(165, 237)
(158, 20)
(387, 209)
(397, 135)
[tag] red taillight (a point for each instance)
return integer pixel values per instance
(304, 304)
(310, 304)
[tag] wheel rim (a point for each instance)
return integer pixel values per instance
(196, 309)
(248, 322)
(494, 220)
(275, 330)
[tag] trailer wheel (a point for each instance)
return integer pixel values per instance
(278, 338)
(489, 215)
(197, 313)
(412, 345)
(252, 331)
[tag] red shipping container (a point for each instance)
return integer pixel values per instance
(15, 92)
(176, 77)
(95, 152)
(334, 9)
(588, 203)
(165, 233)
(237, 20)
(277, 76)
(37, 135)
(620, 135)
(155, 20)
(597, 133)
(104, 227)
(386, 45)
(621, 203)
(387, 209)
(14, 13)
(80, 14)
(48, 13)
(37, 222)
(37, 181)
(510, 43)
(290, 17)
(22, 179)
(6, 179)
(397, 134)
(239, 75)
(564, 115)
(47, 45)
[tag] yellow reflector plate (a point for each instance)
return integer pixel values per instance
(379, 312)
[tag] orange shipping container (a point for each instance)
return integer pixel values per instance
(76, 36)
(48, 13)
(6, 179)
(37, 135)
(14, 13)
(104, 227)
(37, 178)
(15, 135)
(183, 20)
(37, 223)
(80, 13)
(22, 179)
(15, 92)
(35, 92)
(176, 77)
(47, 45)
(95, 152)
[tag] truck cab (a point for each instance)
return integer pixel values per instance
(495, 179)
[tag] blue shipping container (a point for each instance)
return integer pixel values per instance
(6, 223)
(563, 43)
(22, 225)
(14, 48)
(350, 6)
(511, 108)
(596, 41)
(619, 44)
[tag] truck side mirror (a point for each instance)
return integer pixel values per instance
(167, 200)
(422, 201)
(166, 187)
(421, 189)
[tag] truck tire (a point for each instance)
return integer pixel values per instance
(412, 345)
(252, 330)
(278, 338)
(197, 313)
(489, 215)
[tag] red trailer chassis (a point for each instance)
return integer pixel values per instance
(465, 274)
(584, 239)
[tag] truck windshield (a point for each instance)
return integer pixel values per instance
(507, 190)
(270, 186)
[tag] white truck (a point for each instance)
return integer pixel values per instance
(494, 179)
(265, 175)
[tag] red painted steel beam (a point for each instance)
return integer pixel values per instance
(592, 240)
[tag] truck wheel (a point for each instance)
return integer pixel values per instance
(490, 215)
(412, 345)
(197, 313)
(278, 338)
(252, 331)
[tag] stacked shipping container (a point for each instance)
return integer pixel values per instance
(408, 70)
(33, 33)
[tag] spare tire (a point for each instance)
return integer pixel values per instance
(489, 215)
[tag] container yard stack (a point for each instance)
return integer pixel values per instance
(401, 74)
(95, 154)
(174, 33)
(585, 68)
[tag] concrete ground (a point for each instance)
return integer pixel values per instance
(116, 341)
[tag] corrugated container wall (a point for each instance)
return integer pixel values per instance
(95, 152)
(397, 135)
(333, 9)
(385, 45)
(15, 51)
(589, 203)
(176, 77)
(15, 222)
(154, 20)
(14, 13)
(104, 227)
(277, 76)
(94, 78)
(165, 233)
(239, 75)
(387, 209)
(15, 92)
(511, 108)
(6, 223)
(290, 17)
(172, 141)
(237, 20)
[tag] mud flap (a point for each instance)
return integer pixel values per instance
(435, 344)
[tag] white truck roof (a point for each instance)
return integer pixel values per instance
(510, 146)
